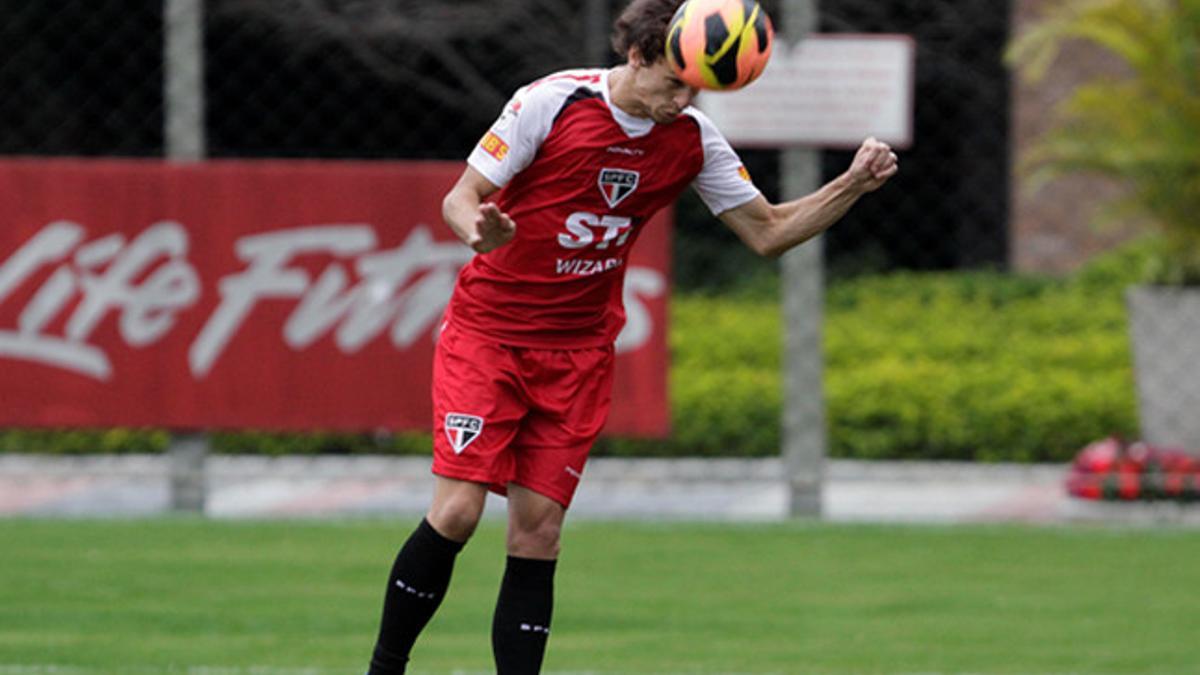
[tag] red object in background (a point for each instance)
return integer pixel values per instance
(1111, 469)
(285, 295)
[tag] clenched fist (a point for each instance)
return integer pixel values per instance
(873, 165)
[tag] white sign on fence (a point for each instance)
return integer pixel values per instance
(828, 91)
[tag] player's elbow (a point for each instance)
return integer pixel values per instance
(760, 238)
(770, 248)
(767, 241)
(766, 236)
(450, 204)
(458, 209)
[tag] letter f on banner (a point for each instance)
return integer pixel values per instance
(268, 276)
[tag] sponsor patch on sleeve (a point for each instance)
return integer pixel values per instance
(494, 146)
(744, 173)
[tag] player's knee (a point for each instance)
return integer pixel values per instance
(455, 519)
(539, 539)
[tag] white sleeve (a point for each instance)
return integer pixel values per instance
(723, 182)
(514, 138)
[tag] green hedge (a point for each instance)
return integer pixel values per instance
(967, 365)
(981, 366)
(131, 441)
(975, 367)
(972, 366)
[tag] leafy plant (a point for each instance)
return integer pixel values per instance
(1141, 127)
(960, 365)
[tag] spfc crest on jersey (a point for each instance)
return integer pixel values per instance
(462, 429)
(617, 184)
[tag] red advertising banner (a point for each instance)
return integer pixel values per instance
(284, 295)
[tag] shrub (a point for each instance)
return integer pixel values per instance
(964, 365)
(975, 366)
(83, 441)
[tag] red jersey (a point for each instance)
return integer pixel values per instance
(580, 178)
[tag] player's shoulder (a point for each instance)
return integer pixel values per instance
(555, 88)
(707, 128)
(542, 101)
(566, 80)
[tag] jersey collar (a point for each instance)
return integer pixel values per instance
(634, 127)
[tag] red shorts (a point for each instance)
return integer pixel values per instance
(517, 415)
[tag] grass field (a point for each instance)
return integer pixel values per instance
(193, 596)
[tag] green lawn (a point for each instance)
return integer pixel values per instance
(222, 598)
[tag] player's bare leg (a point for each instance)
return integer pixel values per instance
(521, 624)
(421, 573)
(456, 507)
(534, 524)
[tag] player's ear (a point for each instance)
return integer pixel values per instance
(634, 57)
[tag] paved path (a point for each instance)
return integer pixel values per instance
(727, 489)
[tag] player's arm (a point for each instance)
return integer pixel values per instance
(772, 229)
(480, 225)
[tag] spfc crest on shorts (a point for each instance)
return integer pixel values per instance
(617, 184)
(462, 429)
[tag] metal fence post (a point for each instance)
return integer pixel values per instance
(803, 280)
(184, 141)
(183, 80)
(186, 471)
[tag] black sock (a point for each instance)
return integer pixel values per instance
(419, 579)
(521, 624)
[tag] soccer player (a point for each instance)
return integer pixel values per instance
(577, 163)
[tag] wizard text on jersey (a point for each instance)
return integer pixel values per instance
(602, 233)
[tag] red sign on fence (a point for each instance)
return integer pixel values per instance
(283, 295)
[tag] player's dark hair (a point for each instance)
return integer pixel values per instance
(643, 24)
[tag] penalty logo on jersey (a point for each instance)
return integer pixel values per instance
(462, 429)
(617, 184)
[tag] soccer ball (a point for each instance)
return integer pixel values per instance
(720, 45)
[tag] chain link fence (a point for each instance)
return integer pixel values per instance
(417, 80)
(949, 207)
(411, 79)
(81, 77)
(395, 79)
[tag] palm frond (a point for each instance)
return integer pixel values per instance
(1141, 128)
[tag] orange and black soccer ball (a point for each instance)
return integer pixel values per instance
(719, 45)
